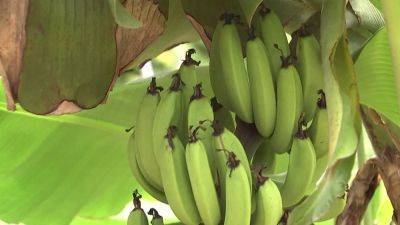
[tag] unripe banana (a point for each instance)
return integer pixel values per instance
(202, 182)
(336, 208)
(309, 67)
(157, 219)
(137, 216)
(188, 75)
(223, 115)
(200, 111)
(215, 69)
(272, 34)
(289, 108)
(143, 132)
(176, 179)
(269, 203)
(265, 157)
(169, 112)
(262, 87)
(224, 140)
(139, 177)
(238, 193)
(234, 71)
(319, 128)
(300, 170)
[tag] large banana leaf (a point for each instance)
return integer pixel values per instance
(375, 76)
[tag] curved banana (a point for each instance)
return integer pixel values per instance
(188, 75)
(300, 170)
(223, 115)
(143, 132)
(309, 66)
(269, 203)
(139, 177)
(169, 112)
(224, 140)
(319, 128)
(215, 69)
(233, 71)
(262, 87)
(273, 35)
(157, 219)
(289, 108)
(137, 216)
(202, 182)
(238, 193)
(335, 209)
(176, 179)
(265, 157)
(200, 111)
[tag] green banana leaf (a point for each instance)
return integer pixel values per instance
(375, 77)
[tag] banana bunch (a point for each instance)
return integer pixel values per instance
(184, 150)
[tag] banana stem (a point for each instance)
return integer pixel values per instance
(391, 11)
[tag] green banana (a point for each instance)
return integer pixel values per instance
(224, 140)
(143, 132)
(223, 115)
(157, 219)
(289, 108)
(169, 112)
(202, 182)
(139, 177)
(336, 208)
(233, 71)
(137, 216)
(309, 67)
(215, 69)
(300, 170)
(176, 179)
(269, 203)
(273, 35)
(188, 75)
(265, 158)
(238, 193)
(319, 128)
(200, 111)
(262, 87)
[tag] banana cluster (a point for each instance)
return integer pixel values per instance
(184, 151)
